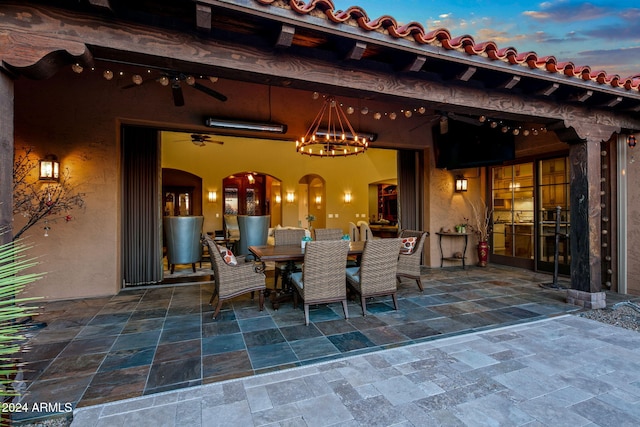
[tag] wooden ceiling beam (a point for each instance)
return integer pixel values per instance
(357, 51)
(613, 102)
(417, 63)
(466, 75)
(285, 37)
(511, 83)
(203, 17)
(549, 89)
(583, 97)
(106, 4)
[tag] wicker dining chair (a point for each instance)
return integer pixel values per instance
(409, 263)
(285, 236)
(233, 280)
(365, 231)
(328, 233)
(376, 275)
(354, 232)
(322, 279)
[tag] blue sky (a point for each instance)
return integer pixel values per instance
(604, 35)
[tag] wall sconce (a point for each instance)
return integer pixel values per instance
(347, 198)
(318, 201)
(291, 197)
(213, 196)
(461, 184)
(278, 198)
(50, 168)
(631, 141)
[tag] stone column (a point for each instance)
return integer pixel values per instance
(6, 157)
(585, 236)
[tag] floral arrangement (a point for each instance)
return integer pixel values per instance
(481, 225)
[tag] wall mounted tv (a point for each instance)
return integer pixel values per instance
(464, 145)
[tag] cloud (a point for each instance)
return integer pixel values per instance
(615, 32)
(631, 15)
(502, 38)
(566, 11)
(570, 37)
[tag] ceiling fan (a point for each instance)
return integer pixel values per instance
(175, 82)
(202, 139)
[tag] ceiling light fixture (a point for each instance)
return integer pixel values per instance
(244, 126)
(339, 138)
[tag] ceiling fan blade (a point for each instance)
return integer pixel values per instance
(210, 92)
(178, 97)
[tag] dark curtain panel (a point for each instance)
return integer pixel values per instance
(142, 229)
(410, 190)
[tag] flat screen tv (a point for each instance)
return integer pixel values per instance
(464, 145)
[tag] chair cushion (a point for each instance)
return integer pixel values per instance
(296, 278)
(353, 274)
(408, 245)
(227, 255)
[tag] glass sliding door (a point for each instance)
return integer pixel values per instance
(553, 211)
(513, 214)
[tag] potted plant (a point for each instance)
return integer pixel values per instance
(481, 227)
(310, 218)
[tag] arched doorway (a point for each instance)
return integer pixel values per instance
(312, 192)
(252, 193)
(181, 193)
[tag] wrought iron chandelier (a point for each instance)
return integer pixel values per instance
(335, 138)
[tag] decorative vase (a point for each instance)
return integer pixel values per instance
(483, 253)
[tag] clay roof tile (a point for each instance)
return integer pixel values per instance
(465, 42)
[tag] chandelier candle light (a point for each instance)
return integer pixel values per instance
(339, 138)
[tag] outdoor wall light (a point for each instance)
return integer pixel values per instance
(631, 141)
(50, 168)
(213, 196)
(347, 198)
(461, 184)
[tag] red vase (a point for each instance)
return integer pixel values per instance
(483, 253)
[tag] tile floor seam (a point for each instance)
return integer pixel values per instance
(155, 351)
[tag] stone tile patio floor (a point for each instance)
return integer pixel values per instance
(443, 358)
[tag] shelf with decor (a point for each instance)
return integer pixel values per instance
(449, 235)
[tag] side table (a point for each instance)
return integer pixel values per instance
(451, 258)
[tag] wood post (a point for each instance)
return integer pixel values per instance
(6, 157)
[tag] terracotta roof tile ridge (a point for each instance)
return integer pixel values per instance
(465, 42)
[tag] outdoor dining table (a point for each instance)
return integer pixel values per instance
(290, 254)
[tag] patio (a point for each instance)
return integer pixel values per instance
(145, 341)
